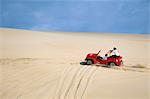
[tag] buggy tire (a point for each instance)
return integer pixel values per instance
(89, 62)
(111, 64)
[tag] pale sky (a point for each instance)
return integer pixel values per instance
(113, 16)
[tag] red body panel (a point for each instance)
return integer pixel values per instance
(95, 58)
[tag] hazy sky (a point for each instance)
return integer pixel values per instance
(117, 16)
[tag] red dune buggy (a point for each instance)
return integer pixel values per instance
(94, 58)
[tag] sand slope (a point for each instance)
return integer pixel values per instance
(38, 65)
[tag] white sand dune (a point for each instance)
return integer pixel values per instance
(42, 65)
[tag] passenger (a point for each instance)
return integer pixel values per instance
(105, 57)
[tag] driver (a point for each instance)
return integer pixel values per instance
(114, 53)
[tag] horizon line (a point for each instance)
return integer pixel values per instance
(71, 31)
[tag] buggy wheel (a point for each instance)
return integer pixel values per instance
(111, 64)
(89, 62)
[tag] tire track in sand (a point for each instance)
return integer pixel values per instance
(61, 82)
(88, 80)
(79, 80)
(72, 79)
(73, 88)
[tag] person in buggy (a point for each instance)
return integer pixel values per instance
(114, 53)
(111, 54)
(104, 57)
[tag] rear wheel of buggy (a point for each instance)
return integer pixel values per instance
(89, 62)
(111, 64)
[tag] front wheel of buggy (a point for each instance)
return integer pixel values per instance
(111, 64)
(89, 62)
